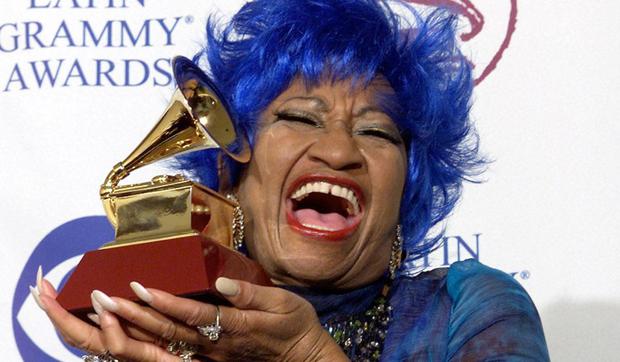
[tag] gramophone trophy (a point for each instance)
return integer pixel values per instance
(171, 233)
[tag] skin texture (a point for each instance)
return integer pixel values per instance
(331, 130)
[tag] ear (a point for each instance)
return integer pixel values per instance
(223, 174)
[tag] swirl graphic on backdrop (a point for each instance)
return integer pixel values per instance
(487, 38)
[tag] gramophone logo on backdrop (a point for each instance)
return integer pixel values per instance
(87, 43)
(491, 24)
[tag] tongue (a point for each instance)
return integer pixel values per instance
(312, 219)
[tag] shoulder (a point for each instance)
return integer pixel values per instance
(470, 280)
(491, 314)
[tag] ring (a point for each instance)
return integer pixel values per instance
(212, 331)
(182, 349)
(104, 357)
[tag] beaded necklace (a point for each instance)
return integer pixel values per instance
(361, 335)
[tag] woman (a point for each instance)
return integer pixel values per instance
(361, 140)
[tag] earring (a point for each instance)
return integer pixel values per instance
(397, 251)
(238, 224)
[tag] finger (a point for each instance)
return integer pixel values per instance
(153, 326)
(132, 321)
(45, 287)
(245, 295)
(189, 311)
(194, 313)
(123, 347)
(74, 331)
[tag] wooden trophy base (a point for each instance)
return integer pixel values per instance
(184, 266)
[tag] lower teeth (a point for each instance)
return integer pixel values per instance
(317, 227)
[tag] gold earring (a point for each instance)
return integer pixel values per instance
(397, 251)
(238, 224)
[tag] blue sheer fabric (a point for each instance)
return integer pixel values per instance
(467, 312)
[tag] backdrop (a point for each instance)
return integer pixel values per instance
(82, 81)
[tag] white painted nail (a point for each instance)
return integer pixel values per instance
(226, 286)
(106, 302)
(35, 295)
(39, 279)
(93, 317)
(96, 305)
(141, 292)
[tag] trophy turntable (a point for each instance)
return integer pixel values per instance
(170, 233)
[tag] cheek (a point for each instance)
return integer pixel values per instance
(387, 171)
(275, 152)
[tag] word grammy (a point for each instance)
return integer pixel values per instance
(84, 33)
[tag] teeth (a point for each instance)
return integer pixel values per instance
(318, 227)
(328, 188)
(324, 187)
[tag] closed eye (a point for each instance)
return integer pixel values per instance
(297, 117)
(380, 133)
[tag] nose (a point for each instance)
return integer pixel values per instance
(337, 149)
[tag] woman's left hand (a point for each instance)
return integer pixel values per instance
(263, 323)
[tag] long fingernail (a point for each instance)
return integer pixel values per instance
(37, 298)
(106, 302)
(39, 279)
(141, 292)
(94, 317)
(96, 305)
(226, 286)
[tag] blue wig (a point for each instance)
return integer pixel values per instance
(270, 42)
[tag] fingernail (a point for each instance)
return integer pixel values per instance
(96, 305)
(226, 286)
(141, 292)
(39, 279)
(35, 295)
(106, 302)
(93, 317)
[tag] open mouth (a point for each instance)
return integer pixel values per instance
(324, 207)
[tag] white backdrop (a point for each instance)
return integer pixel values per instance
(546, 112)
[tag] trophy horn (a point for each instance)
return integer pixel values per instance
(196, 118)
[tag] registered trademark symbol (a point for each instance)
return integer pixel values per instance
(189, 19)
(525, 274)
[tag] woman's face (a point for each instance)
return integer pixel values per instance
(322, 191)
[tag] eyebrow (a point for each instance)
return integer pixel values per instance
(368, 109)
(318, 102)
(322, 106)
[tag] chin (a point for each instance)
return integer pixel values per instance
(309, 272)
(325, 273)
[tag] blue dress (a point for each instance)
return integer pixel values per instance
(467, 312)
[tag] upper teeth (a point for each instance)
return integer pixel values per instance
(330, 189)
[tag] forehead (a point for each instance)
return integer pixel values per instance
(327, 93)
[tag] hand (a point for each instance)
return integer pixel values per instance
(264, 323)
(77, 333)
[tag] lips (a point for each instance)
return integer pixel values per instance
(324, 207)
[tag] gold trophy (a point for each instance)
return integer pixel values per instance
(171, 233)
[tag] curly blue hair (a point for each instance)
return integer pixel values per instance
(270, 42)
